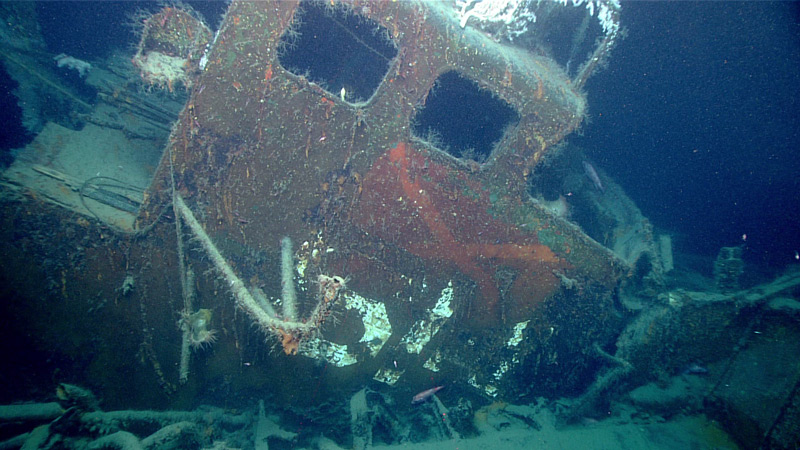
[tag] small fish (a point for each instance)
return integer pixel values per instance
(592, 174)
(424, 395)
(695, 369)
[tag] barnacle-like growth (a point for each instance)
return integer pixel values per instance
(200, 336)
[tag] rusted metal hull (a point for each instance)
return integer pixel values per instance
(260, 153)
(455, 274)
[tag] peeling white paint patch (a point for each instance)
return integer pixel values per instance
(504, 366)
(489, 389)
(377, 331)
(336, 354)
(422, 331)
(433, 362)
(301, 267)
(388, 376)
(517, 337)
(377, 328)
(513, 341)
(498, 374)
(442, 308)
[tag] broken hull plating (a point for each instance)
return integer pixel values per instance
(454, 273)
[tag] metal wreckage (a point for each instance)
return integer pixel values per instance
(321, 216)
(409, 261)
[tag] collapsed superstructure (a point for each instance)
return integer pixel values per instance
(262, 152)
(357, 236)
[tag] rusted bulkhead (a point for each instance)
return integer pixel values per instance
(454, 274)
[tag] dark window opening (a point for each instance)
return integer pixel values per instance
(559, 184)
(462, 119)
(337, 48)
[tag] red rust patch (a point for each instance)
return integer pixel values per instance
(439, 213)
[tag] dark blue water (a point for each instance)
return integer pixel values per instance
(93, 29)
(698, 118)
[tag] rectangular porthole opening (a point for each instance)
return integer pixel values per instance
(338, 48)
(462, 119)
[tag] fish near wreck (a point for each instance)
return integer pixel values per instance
(425, 395)
(433, 243)
(588, 168)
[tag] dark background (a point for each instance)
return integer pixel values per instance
(698, 118)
